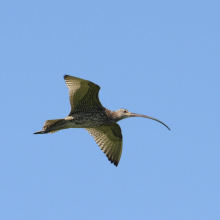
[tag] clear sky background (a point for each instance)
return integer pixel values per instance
(159, 58)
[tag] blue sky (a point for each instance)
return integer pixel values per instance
(159, 58)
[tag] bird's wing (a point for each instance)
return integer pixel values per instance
(109, 139)
(83, 95)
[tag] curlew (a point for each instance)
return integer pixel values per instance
(87, 112)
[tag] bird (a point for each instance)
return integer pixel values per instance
(88, 112)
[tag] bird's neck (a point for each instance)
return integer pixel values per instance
(112, 115)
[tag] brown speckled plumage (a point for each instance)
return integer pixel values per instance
(87, 112)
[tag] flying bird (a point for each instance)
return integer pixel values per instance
(87, 112)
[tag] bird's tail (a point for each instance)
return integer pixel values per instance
(51, 126)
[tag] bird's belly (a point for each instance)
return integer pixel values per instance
(85, 122)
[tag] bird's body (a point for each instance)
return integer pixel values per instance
(81, 120)
(87, 112)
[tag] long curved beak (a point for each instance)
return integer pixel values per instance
(145, 116)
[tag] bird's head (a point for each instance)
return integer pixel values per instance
(124, 113)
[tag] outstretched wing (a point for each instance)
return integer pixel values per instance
(83, 95)
(109, 139)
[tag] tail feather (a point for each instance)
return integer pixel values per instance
(51, 126)
(40, 132)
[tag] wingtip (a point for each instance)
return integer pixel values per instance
(114, 162)
(111, 160)
(65, 76)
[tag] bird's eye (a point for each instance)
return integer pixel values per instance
(125, 111)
